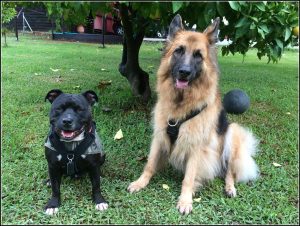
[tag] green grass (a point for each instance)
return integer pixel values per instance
(26, 78)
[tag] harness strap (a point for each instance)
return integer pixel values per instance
(72, 155)
(173, 125)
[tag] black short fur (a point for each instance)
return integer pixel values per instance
(72, 112)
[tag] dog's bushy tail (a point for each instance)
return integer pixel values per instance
(240, 145)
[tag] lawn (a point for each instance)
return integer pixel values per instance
(29, 71)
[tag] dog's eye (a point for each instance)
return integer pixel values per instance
(197, 54)
(79, 109)
(179, 50)
(58, 110)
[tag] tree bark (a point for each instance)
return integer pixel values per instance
(129, 66)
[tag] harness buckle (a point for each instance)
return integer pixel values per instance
(171, 122)
(70, 158)
(70, 165)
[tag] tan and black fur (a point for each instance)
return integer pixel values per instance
(207, 146)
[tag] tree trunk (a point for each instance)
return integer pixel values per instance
(129, 66)
(5, 44)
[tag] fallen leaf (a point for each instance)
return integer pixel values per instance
(106, 109)
(55, 70)
(197, 199)
(165, 186)
(25, 113)
(142, 158)
(276, 164)
(103, 84)
(58, 79)
(119, 135)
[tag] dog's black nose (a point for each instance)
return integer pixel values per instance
(67, 121)
(185, 71)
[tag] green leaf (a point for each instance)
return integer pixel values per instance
(242, 22)
(260, 6)
(284, 10)
(176, 6)
(252, 26)
(264, 28)
(201, 24)
(210, 12)
(221, 8)
(241, 31)
(288, 33)
(261, 32)
(253, 18)
(235, 5)
(281, 20)
(279, 43)
(225, 50)
(243, 3)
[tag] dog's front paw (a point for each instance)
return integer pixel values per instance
(51, 211)
(101, 206)
(47, 182)
(230, 191)
(52, 206)
(184, 207)
(136, 186)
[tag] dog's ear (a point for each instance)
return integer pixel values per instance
(52, 94)
(175, 26)
(91, 97)
(212, 31)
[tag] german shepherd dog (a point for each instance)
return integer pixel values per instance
(190, 125)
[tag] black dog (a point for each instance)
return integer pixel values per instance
(73, 145)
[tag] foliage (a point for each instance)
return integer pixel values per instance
(70, 13)
(8, 12)
(266, 26)
(270, 26)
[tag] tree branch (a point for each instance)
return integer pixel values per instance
(128, 32)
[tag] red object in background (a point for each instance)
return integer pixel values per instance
(80, 28)
(109, 23)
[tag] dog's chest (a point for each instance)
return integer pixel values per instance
(95, 148)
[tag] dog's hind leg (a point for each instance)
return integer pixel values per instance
(156, 159)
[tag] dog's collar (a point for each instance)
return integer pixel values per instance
(174, 125)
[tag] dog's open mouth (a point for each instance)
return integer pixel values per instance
(181, 83)
(69, 135)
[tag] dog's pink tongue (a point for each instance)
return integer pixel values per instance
(67, 134)
(180, 84)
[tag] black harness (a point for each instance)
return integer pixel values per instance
(69, 156)
(173, 126)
